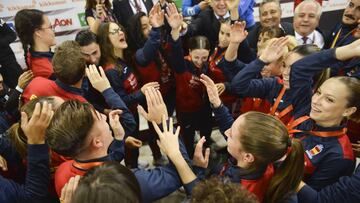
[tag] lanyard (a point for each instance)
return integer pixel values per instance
(86, 166)
(214, 61)
(298, 121)
(276, 104)
(338, 35)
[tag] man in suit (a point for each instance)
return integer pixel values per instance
(270, 15)
(124, 9)
(306, 20)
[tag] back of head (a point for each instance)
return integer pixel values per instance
(69, 63)
(85, 38)
(27, 21)
(16, 134)
(214, 190)
(108, 183)
(306, 49)
(353, 86)
(268, 140)
(69, 128)
(134, 28)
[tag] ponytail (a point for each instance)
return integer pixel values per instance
(288, 175)
(19, 139)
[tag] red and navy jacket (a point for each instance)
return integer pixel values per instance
(147, 66)
(40, 64)
(222, 71)
(347, 189)
(154, 183)
(190, 92)
(246, 84)
(40, 86)
(328, 151)
(125, 84)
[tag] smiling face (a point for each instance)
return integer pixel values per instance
(329, 103)
(199, 57)
(306, 19)
(351, 13)
(270, 15)
(219, 7)
(286, 67)
(117, 36)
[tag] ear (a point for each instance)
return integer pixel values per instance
(97, 142)
(37, 34)
(249, 158)
(349, 111)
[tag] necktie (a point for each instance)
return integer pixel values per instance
(137, 6)
(304, 39)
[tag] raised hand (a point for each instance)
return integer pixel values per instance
(168, 140)
(25, 78)
(173, 17)
(68, 190)
(238, 32)
(3, 164)
(98, 80)
(34, 129)
(220, 87)
(200, 159)
(155, 105)
(156, 16)
(211, 89)
(154, 85)
(232, 4)
(274, 50)
(114, 118)
(132, 142)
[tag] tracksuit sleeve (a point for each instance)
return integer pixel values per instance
(245, 83)
(347, 189)
(117, 150)
(145, 55)
(177, 61)
(188, 10)
(301, 78)
(160, 181)
(223, 118)
(37, 178)
(126, 118)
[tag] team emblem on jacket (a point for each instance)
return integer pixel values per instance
(314, 151)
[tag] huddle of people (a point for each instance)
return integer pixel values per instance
(284, 96)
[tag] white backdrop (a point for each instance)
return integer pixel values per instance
(68, 15)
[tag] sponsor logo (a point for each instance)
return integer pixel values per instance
(22, 6)
(62, 22)
(82, 19)
(52, 3)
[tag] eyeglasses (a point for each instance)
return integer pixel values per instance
(50, 27)
(115, 31)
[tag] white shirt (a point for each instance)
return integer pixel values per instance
(141, 4)
(313, 38)
(227, 15)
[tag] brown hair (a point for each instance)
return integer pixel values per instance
(353, 85)
(269, 1)
(215, 190)
(110, 182)
(69, 63)
(92, 4)
(199, 42)
(16, 134)
(106, 47)
(268, 140)
(69, 127)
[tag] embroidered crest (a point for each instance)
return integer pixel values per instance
(33, 96)
(314, 151)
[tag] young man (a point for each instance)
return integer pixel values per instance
(90, 143)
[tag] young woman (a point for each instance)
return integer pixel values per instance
(265, 160)
(273, 89)
(37, 36)
(98, 11)
(113, 46)
(320, 117)
(192, 106)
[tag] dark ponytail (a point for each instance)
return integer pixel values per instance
(288, 175)
(27, 21)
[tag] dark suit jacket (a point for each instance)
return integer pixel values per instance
(253, 36)
(123, 11)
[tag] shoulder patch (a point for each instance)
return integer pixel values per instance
(314, 151)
